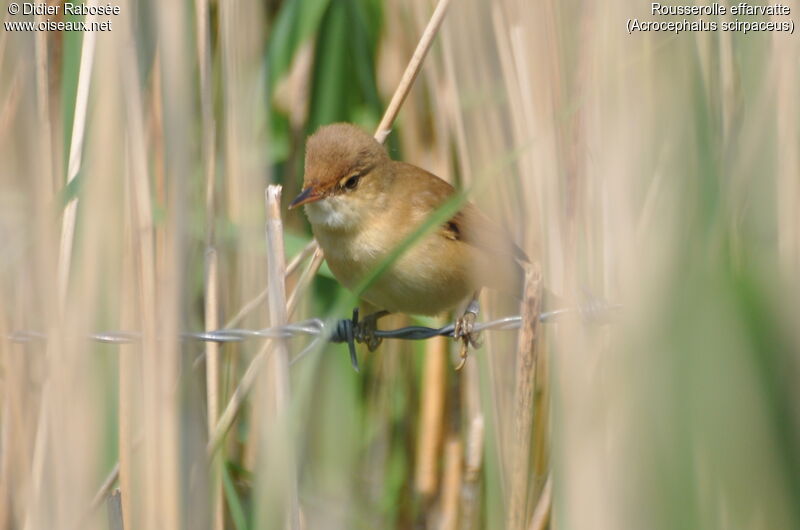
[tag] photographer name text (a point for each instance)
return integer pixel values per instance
(31, 8)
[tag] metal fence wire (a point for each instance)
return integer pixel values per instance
(343, 330)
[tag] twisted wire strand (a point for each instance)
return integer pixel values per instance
(340, 331)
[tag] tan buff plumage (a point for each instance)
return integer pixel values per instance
(362, 205)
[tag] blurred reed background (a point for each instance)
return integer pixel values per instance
(657, 171)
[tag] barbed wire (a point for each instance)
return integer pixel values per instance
(341, 331)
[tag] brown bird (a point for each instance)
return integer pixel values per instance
(362, 204)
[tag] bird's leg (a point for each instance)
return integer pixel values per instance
(365, 329)
(464, 330)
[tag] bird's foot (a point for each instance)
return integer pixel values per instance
(364, 330)
(464, 332)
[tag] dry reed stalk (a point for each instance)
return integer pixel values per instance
(451, 482)
(140, 262)
(139, 489)
(431, 417)
(64, 259)
(474, 445)
(75, 155)
(538, 124)
(566, 148)
(276, 279)
(541, 418)
(76, 422)
(20, 405)
(43, 108)
(233, 112)
(524, 399)
(250, 375)
(161, 364)
(241, 44)
(212, 259)
(6, 509)
(33, 518)
(21, 402)
(212, 310)
(541, 515)
(276, 458)
(470, 507)
(8, 414)
(144, 254)
(129, 367)
(208, 127)
(213, 379)
(788, 126)
(410, 74)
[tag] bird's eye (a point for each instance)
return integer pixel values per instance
(351, 183)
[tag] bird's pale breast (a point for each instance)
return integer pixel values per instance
(433, 276)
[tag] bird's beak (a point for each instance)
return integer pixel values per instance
(309, 194)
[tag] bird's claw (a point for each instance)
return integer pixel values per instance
(365, 330)
(464, 333)
(354, 330)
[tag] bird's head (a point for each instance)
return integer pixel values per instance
(346, 177)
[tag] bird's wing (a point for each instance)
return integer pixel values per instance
(469, 225)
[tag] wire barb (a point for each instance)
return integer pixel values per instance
(345, 331)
